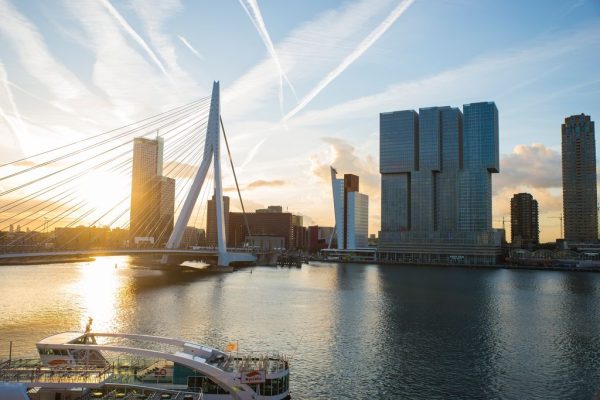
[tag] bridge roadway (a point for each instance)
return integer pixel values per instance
(203, 251)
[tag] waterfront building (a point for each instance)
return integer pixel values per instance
(260, 224)
(270, 209)
(266, 242)
(436, 184)
(351, 209)
(580, 199)
(524, 221)
(152, 195)
(211, 220)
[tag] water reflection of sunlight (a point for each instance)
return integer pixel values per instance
(98, 290)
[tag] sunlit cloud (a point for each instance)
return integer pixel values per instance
(532, 165)
(347, 160)
(264, 184)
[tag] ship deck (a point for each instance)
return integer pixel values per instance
(114, 381)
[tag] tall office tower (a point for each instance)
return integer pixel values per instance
(145, 190)
(351, 210)
(436, 186)
(524, 225)
(211, 220)
(166, 211)
(579, 179)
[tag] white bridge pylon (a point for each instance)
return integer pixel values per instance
(211, 153)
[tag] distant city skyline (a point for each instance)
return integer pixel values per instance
(305, 90)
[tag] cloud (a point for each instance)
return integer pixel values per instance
(34, 56)
(263, 183)
(323, 41)
(16, 128)
(25, 163)
(133, 34)
(343, 156)
(455, 86)
(533, 165)
(251, 8)
(133, 86)
(353, 56)
(190, 47)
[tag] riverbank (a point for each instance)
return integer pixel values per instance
(46, 260)
(484, 266)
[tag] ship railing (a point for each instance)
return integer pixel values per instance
(271, 363)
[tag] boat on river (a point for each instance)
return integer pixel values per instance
(94, 365)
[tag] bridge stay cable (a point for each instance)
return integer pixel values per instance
(57, 198)
(235, 178)
(126, 143)
(127, 163)
(59, 202)
(100, 134)
(174, 172)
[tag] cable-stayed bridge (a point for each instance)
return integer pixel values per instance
(99, 182)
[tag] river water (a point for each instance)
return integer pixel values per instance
(354, 331)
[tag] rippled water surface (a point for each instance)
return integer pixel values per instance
(354, 331)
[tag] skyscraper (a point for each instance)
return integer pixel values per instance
(152, 195)
(524, 224)
(580, 199)
(351, 210)
(436, 186)
(211, 221)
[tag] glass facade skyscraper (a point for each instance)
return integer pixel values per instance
(436, 186)
(580, 198)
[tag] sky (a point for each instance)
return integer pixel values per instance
(303, 82)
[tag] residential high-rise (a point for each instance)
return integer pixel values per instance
(351, 210)
(211, 220)
(152, 195)
(580, 199)
(436, 185)
(524, 224)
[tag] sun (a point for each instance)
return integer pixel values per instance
(104, 192)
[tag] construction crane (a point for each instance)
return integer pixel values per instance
(561, 225)
(503, 222)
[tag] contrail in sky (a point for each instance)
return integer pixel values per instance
(189, 46)
(251, 8)
(19, 127)
(125, 25)
(360, 49)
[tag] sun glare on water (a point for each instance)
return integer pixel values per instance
(99, 289)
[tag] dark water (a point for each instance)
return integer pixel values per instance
(355, 331)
